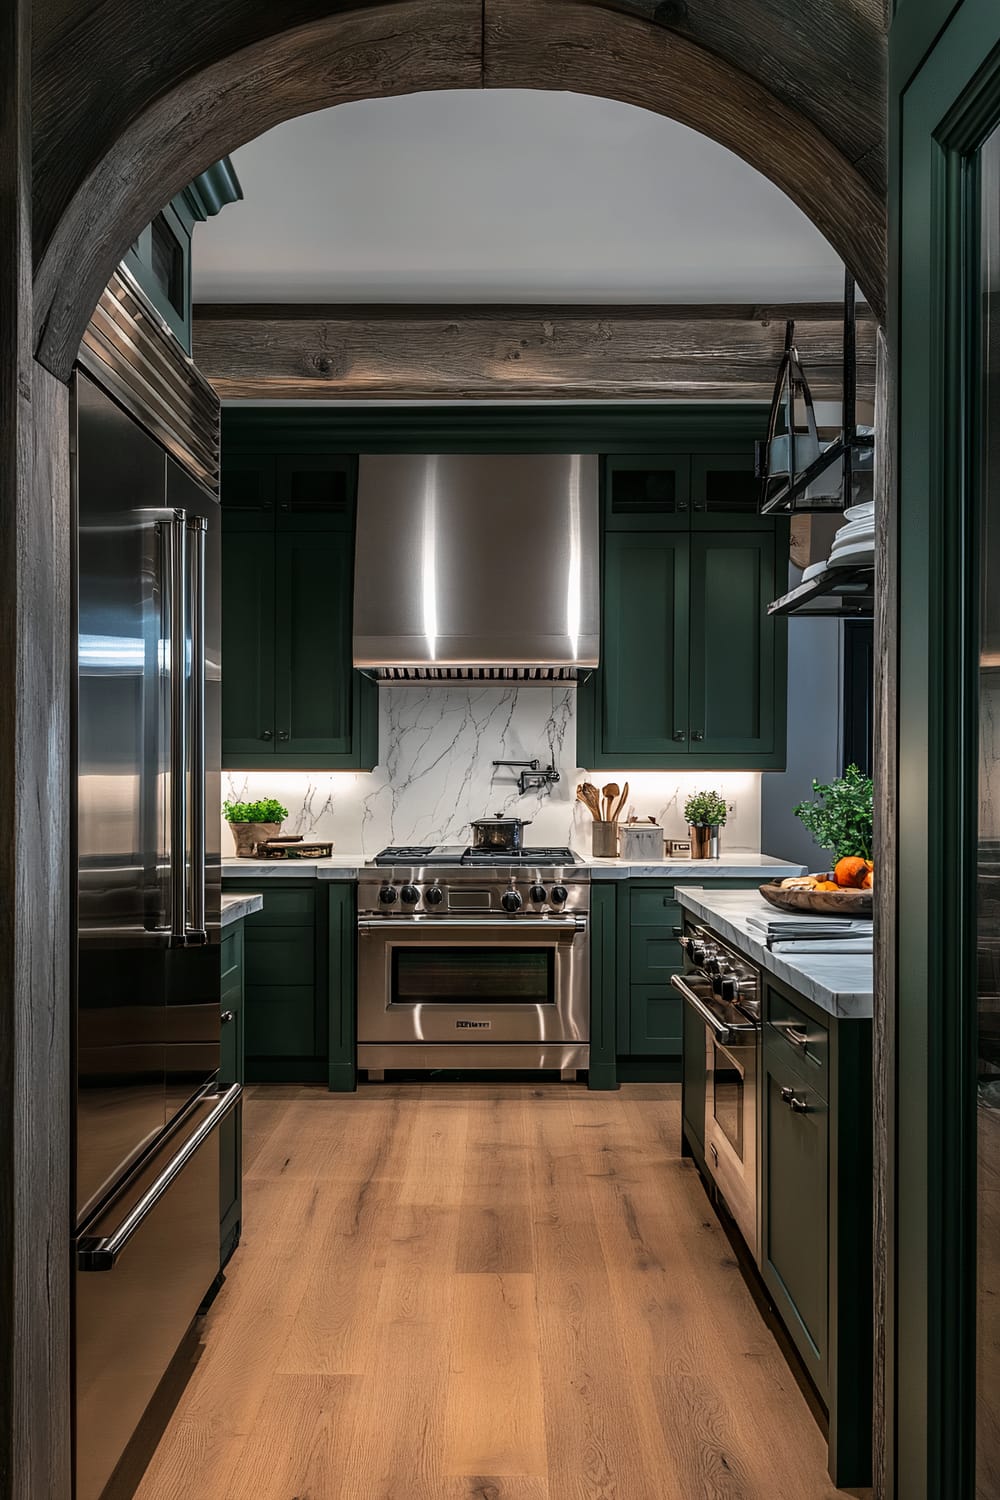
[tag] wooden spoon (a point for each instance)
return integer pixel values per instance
(621, 803)
(610, 793)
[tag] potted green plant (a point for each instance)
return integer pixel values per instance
(705, 814)
(842, 821)
(254, 823)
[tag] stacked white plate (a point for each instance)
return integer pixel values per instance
(854, 544)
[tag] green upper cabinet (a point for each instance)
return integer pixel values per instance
(692, 671)
(290, 697)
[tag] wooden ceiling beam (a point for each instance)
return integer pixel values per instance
(391, 352)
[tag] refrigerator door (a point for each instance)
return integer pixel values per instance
(192, 1015)
(123, 843)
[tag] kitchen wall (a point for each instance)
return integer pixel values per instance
(435, 774)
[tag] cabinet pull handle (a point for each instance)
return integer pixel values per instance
(227, 1016)
(794, 1102)
(796, 1037)
(679, 734)
(266, 734)
(696, 734)
(282, 734)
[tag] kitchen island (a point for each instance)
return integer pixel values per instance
(794, 1072)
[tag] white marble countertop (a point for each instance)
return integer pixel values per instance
(236, 906)
(840, 983)
(741, 864)
(336, 867)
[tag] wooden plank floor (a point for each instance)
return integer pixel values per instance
(482, 1292)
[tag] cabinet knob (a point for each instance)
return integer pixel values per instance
(227, 1016)
(267, 734)
(283, 734)
(696, 734)
(679, 734)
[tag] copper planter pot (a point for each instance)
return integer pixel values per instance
(705, 840)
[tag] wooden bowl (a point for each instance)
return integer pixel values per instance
(845, 902)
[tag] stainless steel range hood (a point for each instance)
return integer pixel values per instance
(477, 566)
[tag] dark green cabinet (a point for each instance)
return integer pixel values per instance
(795, 1185)
(299, 967)
(693, 668)
(693, 1078)
(231, 1070)
(290, 697)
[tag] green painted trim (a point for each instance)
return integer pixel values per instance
(477, 428)
(211, 191)
(938, 117)
(342, 934)
(603, 978)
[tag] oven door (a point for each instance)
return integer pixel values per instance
(731, 1125)
(468, 980)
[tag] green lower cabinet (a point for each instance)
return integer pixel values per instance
(795, 1183)
(231, 1070)
(604, 1008)
(300, 984)
(655, 1020)
(816, 1208)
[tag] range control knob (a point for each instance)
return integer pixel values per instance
(558, 895)
(712, 964)
(434, 896)
(538, 893)
(410, 895)
(729, 989)
(387, 895)
(697, 953)
(511, 901)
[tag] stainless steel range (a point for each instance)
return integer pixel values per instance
(474, 959)
(722, 987)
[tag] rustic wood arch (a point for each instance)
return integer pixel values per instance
(211, 94)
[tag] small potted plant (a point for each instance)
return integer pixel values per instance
(254, 823)
(706, 814)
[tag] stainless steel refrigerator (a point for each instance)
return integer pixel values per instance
(147, 908)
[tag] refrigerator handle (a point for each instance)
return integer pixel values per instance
(196, 932)
(177, 600)
(101, 1254)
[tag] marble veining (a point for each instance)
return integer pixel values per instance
(840, 983)
(435, 774)
(235, 907)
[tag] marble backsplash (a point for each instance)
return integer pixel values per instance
(435, 773)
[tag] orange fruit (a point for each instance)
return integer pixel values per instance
(850, 870)
(867, 883)
(826, 885)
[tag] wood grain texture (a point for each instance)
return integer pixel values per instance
(886, 758)
(135, 99)
(255, 352)
(34, 862)
(627, 1361)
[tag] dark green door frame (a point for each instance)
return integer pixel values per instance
(944, 100)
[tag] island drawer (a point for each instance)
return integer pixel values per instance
(803, 1040)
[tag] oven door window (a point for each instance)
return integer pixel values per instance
(728, 1094)
(473, 976)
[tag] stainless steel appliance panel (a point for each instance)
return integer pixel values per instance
(192, 1026)
(123, 833)
(467, 560)
(141, 1275)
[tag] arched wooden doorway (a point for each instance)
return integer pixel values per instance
(88, 213)
(105, 111)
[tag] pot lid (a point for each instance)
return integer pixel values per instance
(499, 818)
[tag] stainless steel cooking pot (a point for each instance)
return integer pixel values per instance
(499, 832)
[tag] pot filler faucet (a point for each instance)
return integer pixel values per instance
(531, 777)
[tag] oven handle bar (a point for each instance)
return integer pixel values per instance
(472, 924)
(722, 1032)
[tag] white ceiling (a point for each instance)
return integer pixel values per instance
(504, 195)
